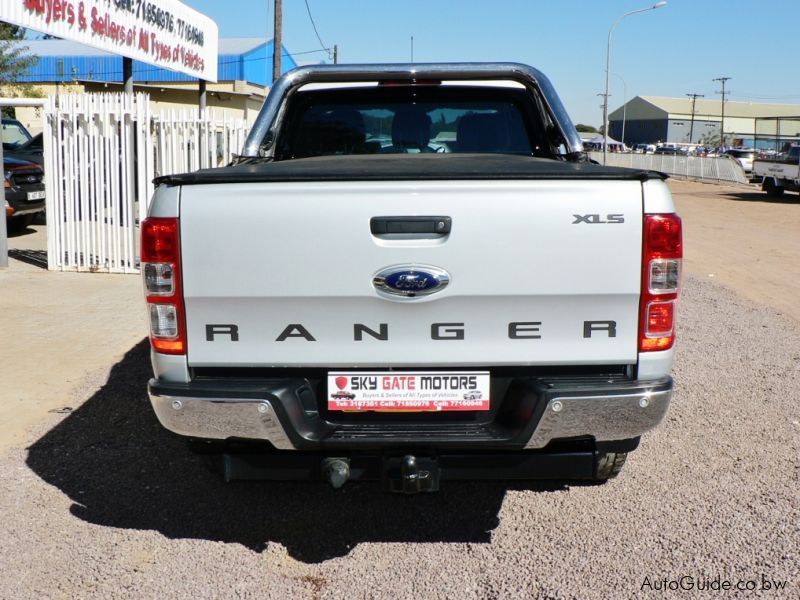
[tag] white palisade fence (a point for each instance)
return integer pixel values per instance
(102, 152)
(91, 182)
(709, 168)
(187, 141)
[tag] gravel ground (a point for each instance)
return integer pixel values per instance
(106, 504)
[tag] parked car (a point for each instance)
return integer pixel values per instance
(676, 150)
(744, 156)
(666, 150)
(23, 181)
(20, 146)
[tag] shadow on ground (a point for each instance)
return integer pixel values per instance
(759, 196)
(37, 258)
(16, 232)
(117, 464)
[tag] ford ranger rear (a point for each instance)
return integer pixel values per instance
(413, 274)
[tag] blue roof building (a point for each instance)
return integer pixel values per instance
(239, 59)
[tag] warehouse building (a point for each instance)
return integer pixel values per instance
(63, 67)
(652, 119)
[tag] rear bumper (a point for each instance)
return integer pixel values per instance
(536, 413)
(17, 198)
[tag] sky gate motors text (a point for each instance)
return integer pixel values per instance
(413, 382)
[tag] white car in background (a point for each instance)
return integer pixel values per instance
(744, 156)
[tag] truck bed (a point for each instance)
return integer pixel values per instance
(409, 167)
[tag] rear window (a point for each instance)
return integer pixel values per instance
(412, 120)
(14, 134)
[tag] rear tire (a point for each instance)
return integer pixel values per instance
(609, 465)
(772, 190)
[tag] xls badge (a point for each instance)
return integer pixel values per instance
(409, 281)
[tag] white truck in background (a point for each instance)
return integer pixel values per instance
(779, 173)
(348, 301)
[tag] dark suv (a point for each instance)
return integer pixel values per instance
(24, 188)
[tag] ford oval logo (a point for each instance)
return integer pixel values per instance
(411, 280)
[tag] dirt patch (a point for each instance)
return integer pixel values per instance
(744, 240)
(57, 329)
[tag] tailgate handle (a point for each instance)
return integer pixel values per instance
(434, 225)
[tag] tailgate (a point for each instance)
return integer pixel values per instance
(541, 273)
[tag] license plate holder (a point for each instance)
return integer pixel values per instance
(408, 391)
(35, 196)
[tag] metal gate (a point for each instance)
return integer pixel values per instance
(102, 152)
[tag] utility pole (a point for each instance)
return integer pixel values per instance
(722, 121)
(202, 96)
(277, 42)
(412, 48)
(694, 98)
(603, 127)
(335, 54)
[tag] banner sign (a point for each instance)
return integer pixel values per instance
(403, 391)
(165, 33)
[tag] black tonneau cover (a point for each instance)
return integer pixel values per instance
(393, 167)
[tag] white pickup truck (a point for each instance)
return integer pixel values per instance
(412, 274)
(779, 173)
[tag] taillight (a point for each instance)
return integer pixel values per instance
(161, 269)
(661, 279)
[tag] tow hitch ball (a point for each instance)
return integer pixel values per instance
(406, 475)
(336, 471)
(415, 476)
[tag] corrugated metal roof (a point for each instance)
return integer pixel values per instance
(242, 59)
(712, 107)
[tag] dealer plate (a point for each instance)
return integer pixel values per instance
(404, 391)
(35, 195)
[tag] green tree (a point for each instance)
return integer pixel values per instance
(585, 128)
(14, 59)
(710, 139)
(11, 32)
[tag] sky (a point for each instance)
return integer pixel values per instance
(671, 51)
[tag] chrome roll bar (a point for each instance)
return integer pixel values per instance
(270, 117)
